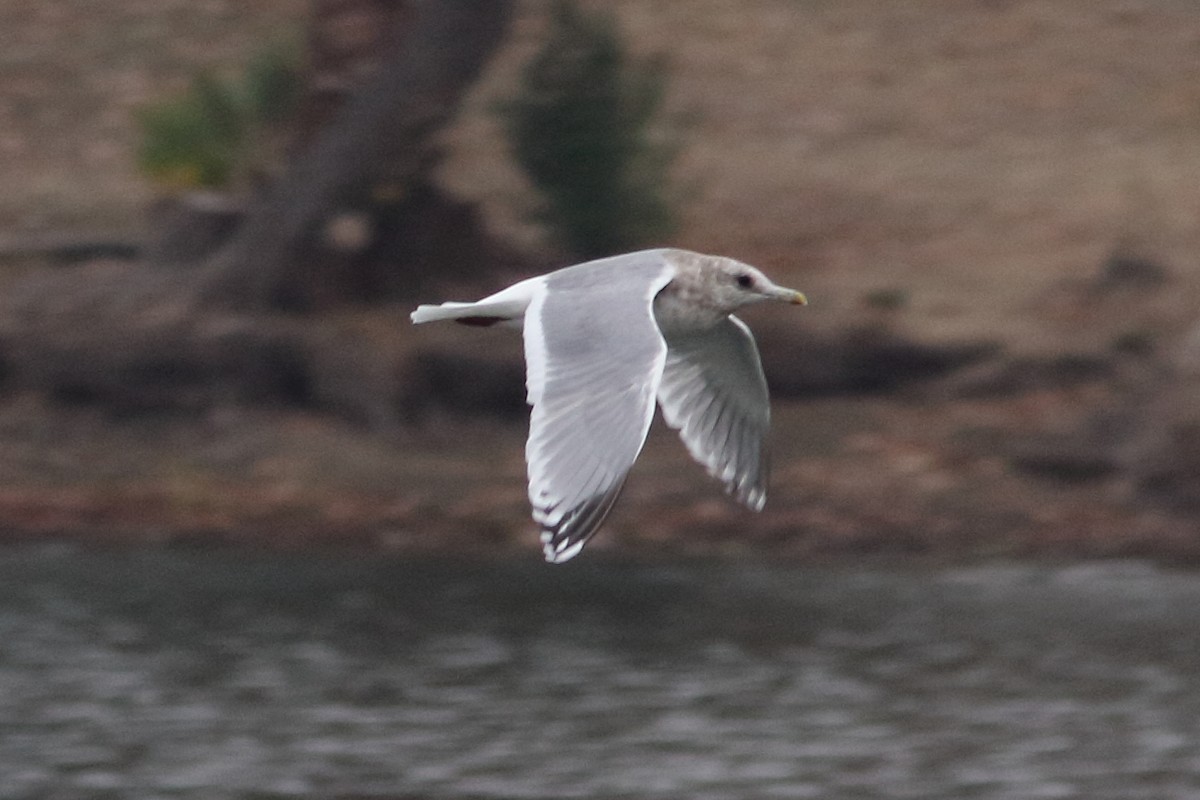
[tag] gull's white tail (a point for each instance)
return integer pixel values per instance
(504, 306)
(427, 313)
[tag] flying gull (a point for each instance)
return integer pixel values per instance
(606, 338)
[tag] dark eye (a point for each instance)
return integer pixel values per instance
(744, 281)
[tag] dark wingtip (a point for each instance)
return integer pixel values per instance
(564, 540)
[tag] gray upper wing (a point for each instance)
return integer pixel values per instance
(714, 392)
(594, 357)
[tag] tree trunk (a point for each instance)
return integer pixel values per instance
(299, 240)
(138, 336)
(348, 41)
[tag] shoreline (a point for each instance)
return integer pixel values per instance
(853, 478)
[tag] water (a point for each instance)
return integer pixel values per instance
(234, 674)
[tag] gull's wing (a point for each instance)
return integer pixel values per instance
(714, 393)
(594, 357)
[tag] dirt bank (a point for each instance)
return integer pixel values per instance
(1004, 181)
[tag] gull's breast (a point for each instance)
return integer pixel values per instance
(682, 308)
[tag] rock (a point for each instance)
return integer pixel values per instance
(1127, 270)
(1163, 456)
(466, 384)
(1065, 458)
(70, 247)
(801, 363)
(1011, 376)
(188, 227)
(1169, 475)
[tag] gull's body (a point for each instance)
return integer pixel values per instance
(606, 339)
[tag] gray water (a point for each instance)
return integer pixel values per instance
(234, 674)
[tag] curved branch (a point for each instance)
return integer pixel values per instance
(391, 119)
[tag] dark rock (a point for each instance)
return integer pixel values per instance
(1065, 458)
(1124, 270)
(878, 360)
(191, 226)
(470, 385)
(1166, 468)
(70, 247)
(1011, 376)
(179, 365)
(1163, 457)
(857, 361)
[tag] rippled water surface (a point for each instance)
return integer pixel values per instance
(230, 674)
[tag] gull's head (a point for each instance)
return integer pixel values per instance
(734, 284)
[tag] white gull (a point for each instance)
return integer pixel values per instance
(606, 338)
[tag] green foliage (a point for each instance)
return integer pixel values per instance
(192, 140)
(580, 127)
(219, 133)
(272, 84)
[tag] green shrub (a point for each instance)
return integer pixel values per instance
(580, 127)
(221, 133)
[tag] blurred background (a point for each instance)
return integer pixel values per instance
(267, 539)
